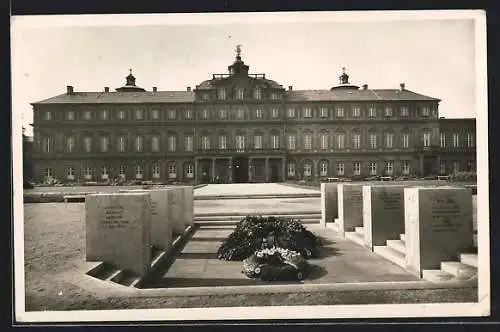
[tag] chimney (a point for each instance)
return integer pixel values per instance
(401, 86)
(365, 86)
(106, 89)
(290, 88)
(155, 89)
(69, 89)
(188, 88)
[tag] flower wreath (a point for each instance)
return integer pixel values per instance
(277, 258)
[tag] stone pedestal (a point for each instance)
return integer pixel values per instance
(350, 207)
(176, 210)
(438, 226)
(329, 203)
(383, 214)
(117, 230)
(188, 210)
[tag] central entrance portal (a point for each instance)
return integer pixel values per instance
(240, 169)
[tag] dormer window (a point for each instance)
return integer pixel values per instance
(221, 94)
(240, 93)
(388, 111)
(257, 93)
(425, 111)
(205, 96)
(274, 95)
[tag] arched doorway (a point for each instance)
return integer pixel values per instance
(240, 169)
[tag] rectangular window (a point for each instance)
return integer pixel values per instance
(87, 115)
(291, 142)
(87, 173)
(258, 113)
(307, 112)
(205, 143)
(189, 143)
(172, 143)
(442, 140)
(47, 172)
(155, 143)
(290, 112)
(372, 166)
(356, 141)
(339, 111)
(307, 169)
(205, 96)
(456, 140)
(275, 141)
(104, 172)
(389, 167)
(257, 141)
(308, 141)
(240, 114)
(442, 167)
(104, 143)
(323, 169)
(373, 141)
(48, 115)
(156, 171)
(388, 111)
(138, 143)
(121, 143)
(155, 114)
(87, 144)
(291, 169)
(356, 168)
(139, 172)
(240, 94)
(257, 93)
(139, 114)
(205, 114)
(425, 111)
(223, 142)
(189, 113)
(222, 113)
(70, 144)
(324, 141)
(104, 114)
(372, 112)
(171, 114)
(405, 111)
(456, 166)
(275, 113)
(70, 115)
(388, 140)
(190, 171)
(340, 141)
(70, 173)
(356, 111)
(340, 168)
(121, 115)
(427, 139)
(240, 143)
(405, 167)
(274, 95)
(324, 112)
(405, 141)
(221, 94)
(470, 140)
(122, 171)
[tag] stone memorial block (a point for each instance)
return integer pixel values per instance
(188, 206)
(117, 230)
(161, 228)
(350, 207)
(438, 226)
(329, 204)
(383, 213)
(176, 210)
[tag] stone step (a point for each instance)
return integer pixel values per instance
(402, 237)
(469, 259)
(356, 238)
(397, 245)
(240, 217)
(116, 276)
(459, 270)
(203, 223)
(333, 226)
(437, 275)
(390, 254)
(360, 230)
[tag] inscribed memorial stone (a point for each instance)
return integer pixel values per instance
(176, 210)
(329, 204)
(118, 230)
(350, 207)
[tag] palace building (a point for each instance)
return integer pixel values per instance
(243, 127)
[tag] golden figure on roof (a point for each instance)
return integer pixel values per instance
(238, 50)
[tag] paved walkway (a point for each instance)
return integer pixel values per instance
(244, 189)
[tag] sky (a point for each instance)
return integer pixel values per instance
(433, 55)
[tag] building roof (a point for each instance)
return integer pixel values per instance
(188, 96)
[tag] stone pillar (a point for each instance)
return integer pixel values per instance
(438, 165)
(196, 176)
(267, 169)
(283, 169)
(315, 169)
(250, 169)
(230, 170)
(421, 157)
(212, 175)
